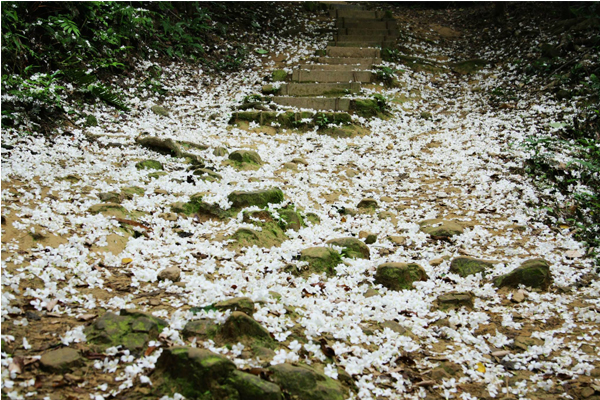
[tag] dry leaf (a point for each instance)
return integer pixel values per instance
(16, 365)
(150, 350)
(425, 383)
(574, 254)
(126, 261)
(86, 317)
(51, 304)
(480, 368)
(500, 353)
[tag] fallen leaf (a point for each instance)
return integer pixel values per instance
(51, 304)
(425, 383)
(126, 261)
(480, 368)
(150, 350)
(500, 353)
(16, 365)
(38, 382)
(86, 317)
(574, 254)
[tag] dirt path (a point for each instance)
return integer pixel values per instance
(92, 234)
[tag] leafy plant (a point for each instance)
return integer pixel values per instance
(321, 120)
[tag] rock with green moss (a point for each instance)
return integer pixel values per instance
(149, 164)
(110, 197)
(441, 228)
(259, 198)
(195, 373)
(352, 247)
(313, 218)
(368, 203)
(321, 259)
(201, 329)
(207, 175)
(279, 75)
(240, 327)
(531, 273)
(156, 175)
(455, 300)
(220, 151)
(252, 387)
(131, 329)
(465, 266)
(399, 276)
(246, 157)
(270, 235)
(160, 110)
(111, 209)
(291, 218)
(468, 66)
(243, 304)
(131, 191)
(367, 108)
(304, 383)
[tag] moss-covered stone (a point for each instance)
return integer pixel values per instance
(207, 175)
(220, 152)
(243, 304)
(156, 175)
(160, 110)
(270, 90)
(201, 329)
(313, 218)
(352, 247)
(252, 387)
(368, 203)
(291, 218)
(304, 383)
(246, 156)
(399, 276)
(132, 330)
(455, 300)
(468, 66)
(110, 197)
(130, 192)
(195, 373)
(112, 209)
(279, 75)
(320, 259)
(271, 236)
(240, 327)
(441, 228)
(149, 164)
(259, 198)
(531, 273)
(465, 266)
(367, 108)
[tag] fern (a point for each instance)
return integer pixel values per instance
(105, 94)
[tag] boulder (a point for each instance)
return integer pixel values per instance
(246, 156)
(61, 360)
(321, 259)
(369, 237)
(441, 228)
(252, 387)
(533, 273)
(270, 235)
(220, 152)
(352, 247)
(465, 266)
(149, 164)
(398, 276)
(304, 383)
(455, 300)
(131, 329)
(160, 110)
(239, 327)
(201, 329)
(368, 203)
(172, 273)
(259, 198)
(243, 304)
(112, 209)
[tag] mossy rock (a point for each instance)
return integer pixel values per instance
(465, 266)
(279, 75)
(252, 387)
(207, 175)
(220, 151)
(110, 197)
(156, 175)
(292, 219)
(367, 108)
(313, 218)
(149, 164)
(160, 110)
(441, 228)
(368, 203)
(201, 329)
(73, 178)
(455, 300)
(468, 66)
(111, 209)
(269, 236)
(133, 330)
(321, 259)
(246, 156)
(243, 304)
(259, 198)
(130, 192)
(270, 90)
(531, 273)
(304, 383)
(91, 120)
(195, 373)
(352, 247)
(240, 327)
(399, 276)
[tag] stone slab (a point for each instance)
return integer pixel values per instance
(315, 103)
(362, 38)
(318, 89)
(331, 76)
(363, 31)
(365, 23)
(330, 67)
(349, 13)
(364, 62)
(374, 44)
(335, 51)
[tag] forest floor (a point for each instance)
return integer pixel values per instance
(90, 229)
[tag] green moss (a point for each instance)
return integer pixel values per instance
(156, 175)
(352, 247)
(270, 90)
(108, 208)
(260, 198)
(149, 164)
(320, 259)
(270, 236)
(455, 300)
(252, 387)
(131, 191)
(246, 156)
(313, 218)
(279, 75)
(367, 108)
(468, 66)
(465, 266)
(532, 273)
(303, 382)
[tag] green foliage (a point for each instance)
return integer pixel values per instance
(382, 103)
(321, 120)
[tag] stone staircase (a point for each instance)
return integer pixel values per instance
(337, 73)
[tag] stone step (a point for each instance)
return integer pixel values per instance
(346, 13)
(362, 38)
(363, 62)
(315, 103)
(336, 5)
(288, 119)
(331, 76)
(332, 67)
(314, 89)
(383, 45)
(356, 23)
(375, 32)
(335, 51)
